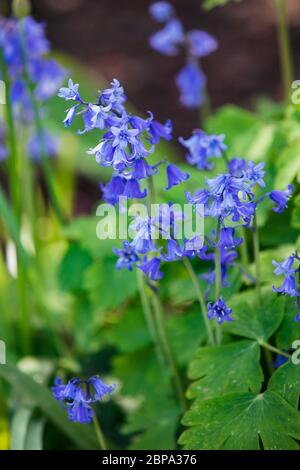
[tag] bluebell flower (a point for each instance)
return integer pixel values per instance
(297, 318)
(201, 43)
(174, 251)
(255, 174)
(227, 239)
(71, 92)
(128, 256)
(167, 40)
(219, 311)
(237, 167)
(113, 96)
(132, 189)
(279, 361)
(158, 131)
(202, 147)
(151, 268)
(142, 169)
(114, 189)
(161, 11)
(288, 287)
(285, 267)
(175, 176)
(71, 113)
(281, 199)
(191, 83)
(78, 396)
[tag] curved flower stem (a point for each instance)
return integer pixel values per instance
(257, 259)
(269, 347)
(218, 278)
(46, 167)
(286, 59)
(147, 310)
(99, 433)
(195, 282)
(168, 352)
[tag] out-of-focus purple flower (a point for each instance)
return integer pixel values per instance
(175, 176)
(3, 149)
(279, 361)
(219, 311)
(201, 43)
(297, 318)
(167, 40)
(191, 83)
(38, 144)
(281, 199)
(161, 11)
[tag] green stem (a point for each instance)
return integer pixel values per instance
(218, 278)
(99, 434)
(12, 161)
(46, 167)
(275, 350)
(200, 297)
(149, 316)
(244, 248)
(286, 59)
(15, 219)
(169, 355)
(256, 247)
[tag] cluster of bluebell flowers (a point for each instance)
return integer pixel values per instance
(23, 46)
(290, 269)
(191, 80)
(79, 395)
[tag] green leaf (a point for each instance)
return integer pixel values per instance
(239, 421)
(41, 397)
(19, 426)
(210, 4)
(108, 287)
(286, 382)
(289, 330)
(153, 413)
(256, 323)
(230, 368)
(288, 165)
(72, 267)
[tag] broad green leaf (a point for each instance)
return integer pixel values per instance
(289, 330)
(267, 268)
(108, 287)
(19, 427)
(286, 382)
(288, 165)
(239, 421)
(152, 411)
(210, 4)
(34, 437)
(256, 323)
(82, 436)
(72, 267)
(230, 368)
